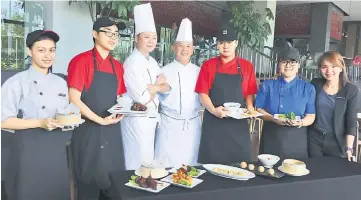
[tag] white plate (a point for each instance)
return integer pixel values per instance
(303, 174)
(195, 182)
(237, 179)
(166, 173)
(125, 110)
(276, 116)
(72, 126)
(241, 114)
(249, 175)
(359, 115)
(159, 187)
(201, 172)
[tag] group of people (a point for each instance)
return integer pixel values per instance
(37, 167)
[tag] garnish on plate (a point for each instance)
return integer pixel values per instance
(182, 177)
(191, 171)
(289, 116)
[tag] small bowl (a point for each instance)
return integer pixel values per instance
(231, 106)
(268, 160)
(124, 101)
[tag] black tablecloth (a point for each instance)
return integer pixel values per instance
(330, 179)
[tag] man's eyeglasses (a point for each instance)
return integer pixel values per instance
(111, 34)
(291, 62)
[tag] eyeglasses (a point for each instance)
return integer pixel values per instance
(111, 34)
(291, 62)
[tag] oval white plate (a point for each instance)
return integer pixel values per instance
(303, 174)
(249, 175)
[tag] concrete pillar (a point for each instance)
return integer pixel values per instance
(320, 28)
(74, 26)
(261, 6)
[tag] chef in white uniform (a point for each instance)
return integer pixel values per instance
(179, 131)
(143, 81)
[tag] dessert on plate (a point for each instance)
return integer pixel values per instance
(292, 166)
(70, 115)
(153, 168)
(69, 118)
(138, 107)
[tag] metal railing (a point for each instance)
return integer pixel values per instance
(265, 66)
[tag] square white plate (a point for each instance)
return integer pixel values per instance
(201, 172)
(195, 182)
(125, 110)
(160, 187)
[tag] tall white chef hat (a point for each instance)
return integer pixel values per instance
(143, 17)
(185, 31)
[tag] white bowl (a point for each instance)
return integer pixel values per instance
(268, 160)
(124, 101)
(231, 106)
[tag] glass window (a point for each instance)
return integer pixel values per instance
(17, 20)
(12, 35)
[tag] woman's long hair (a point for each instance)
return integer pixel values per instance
(337, 60)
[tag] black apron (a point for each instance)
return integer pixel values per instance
(98, 150)
(225, 140)
(284, 141)
(37, 167)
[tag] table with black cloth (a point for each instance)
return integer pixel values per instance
(330, 179)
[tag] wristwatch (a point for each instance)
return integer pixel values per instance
(349, 149)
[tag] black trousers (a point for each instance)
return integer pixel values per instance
(323, 144)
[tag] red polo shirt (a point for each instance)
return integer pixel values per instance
(208, 72)
(81, 70)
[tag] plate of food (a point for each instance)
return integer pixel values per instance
(135, 108)
(289, 116)
(243, 113)
(261, 170)
(229, 172)
(146, 184)
(182, 179)
(192, 171)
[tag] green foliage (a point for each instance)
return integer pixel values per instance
(12, 36)
(108, 7)
(252, 25)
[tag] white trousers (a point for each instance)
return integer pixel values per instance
(177, 141)
(138, 140)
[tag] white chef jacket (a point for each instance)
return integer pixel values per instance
(179, 132)
(139, 132)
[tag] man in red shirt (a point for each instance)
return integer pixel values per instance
(223, 79)
(95, 80)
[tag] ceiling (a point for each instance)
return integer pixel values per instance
(351, 7)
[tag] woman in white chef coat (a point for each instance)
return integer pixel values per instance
(37, 167)
(178, 134)
(143, 80)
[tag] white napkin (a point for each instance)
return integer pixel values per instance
(71, 108)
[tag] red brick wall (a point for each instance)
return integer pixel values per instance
(336, 24)
(293, 19)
